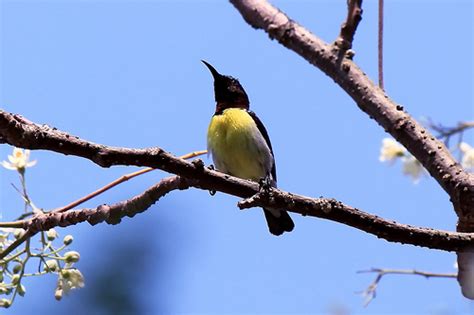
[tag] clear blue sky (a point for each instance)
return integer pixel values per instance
(127, 73)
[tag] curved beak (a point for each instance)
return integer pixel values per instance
(214, 72)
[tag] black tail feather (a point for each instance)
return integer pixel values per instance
(278, 226)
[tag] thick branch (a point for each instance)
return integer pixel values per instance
(431, 152)
(316, 207)
(336, 211)
(18, 131)
(112, 214)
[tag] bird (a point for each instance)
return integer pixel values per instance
(239, 143)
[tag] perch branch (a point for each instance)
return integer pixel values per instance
(20, 132)
(316, 207)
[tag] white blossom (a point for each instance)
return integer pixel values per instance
(52, 265)
(3, 239)
(6, 303)
(68, 240)
(18, 161)
(4, 234)
(468, 155)
(70, 279)
(391, 150)
(51, 234)
(72, 257)
(412, 167)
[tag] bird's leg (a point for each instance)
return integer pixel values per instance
(211, 167)
(265, 184)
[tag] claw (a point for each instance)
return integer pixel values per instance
(265, 183)
(211, 167)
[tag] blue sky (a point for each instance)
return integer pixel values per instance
(127, 73)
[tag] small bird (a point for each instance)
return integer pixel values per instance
(239, 143)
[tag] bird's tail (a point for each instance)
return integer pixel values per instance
(278, 225)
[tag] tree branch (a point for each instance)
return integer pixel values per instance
(431, 152)
(349, 26)
(23, 133)
(111, 214)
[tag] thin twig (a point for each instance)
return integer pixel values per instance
(349, 26)
(370, 292)
(445, 133)
(120, 180)
(380, 44)
(15, 244)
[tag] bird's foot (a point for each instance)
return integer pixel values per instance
(263, 193)
(265, 184)
(212, 168)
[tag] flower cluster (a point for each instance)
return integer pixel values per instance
(69, 278)
(391, 151)
(15, 267)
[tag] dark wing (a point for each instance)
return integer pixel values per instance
(264, 133)
(283, 223)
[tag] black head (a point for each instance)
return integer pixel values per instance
(228, 91)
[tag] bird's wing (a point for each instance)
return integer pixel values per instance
(264, 133)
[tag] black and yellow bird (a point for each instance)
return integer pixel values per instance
(239, 143)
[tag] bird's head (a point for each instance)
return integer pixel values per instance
(227, 91)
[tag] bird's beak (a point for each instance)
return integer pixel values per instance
(214, 72)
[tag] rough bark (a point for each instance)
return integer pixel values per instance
(20, 132)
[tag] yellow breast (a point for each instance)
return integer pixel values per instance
(237, 146)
